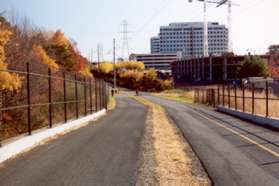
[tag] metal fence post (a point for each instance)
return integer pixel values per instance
(100, 94)
(243, 97)
(235, 97)
(103, 92)
(218, 95)
(229, 95)
(102, 89)
(90, 92)
(65, 97)
(223, 90)
(253, 98)
(204, 96)
(195, 95)
(28, 99)
(198, 96)
(49, 98)
(266, 98)
(106, 96)
(213, 97)
(85, 97)
(96, 95)
(76, 97)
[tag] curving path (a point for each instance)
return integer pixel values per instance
(104, 153)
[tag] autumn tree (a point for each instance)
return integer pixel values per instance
(273, 66)
(8, 81)
(130, 65)
(59, 49)
(42, 55)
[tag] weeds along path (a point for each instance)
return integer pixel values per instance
(166, 158)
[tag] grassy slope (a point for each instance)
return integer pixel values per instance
(177, 95)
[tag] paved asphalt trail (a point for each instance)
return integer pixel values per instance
(228, 158)
(104, 153)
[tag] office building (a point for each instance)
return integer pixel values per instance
(188, 38)
(159, 62)
(155, 45)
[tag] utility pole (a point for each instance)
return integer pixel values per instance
(114, 67)
(98, 55)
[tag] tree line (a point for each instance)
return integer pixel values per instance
(21, 43)
(132, 75)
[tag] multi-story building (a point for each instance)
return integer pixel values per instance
(155, 45)
(159, 62)
(188, 38)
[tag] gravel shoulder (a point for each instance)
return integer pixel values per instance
(166, 158)
(229, 159)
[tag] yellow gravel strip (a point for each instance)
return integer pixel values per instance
(164, 159)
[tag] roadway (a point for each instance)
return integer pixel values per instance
(104, 153)
(233, 152)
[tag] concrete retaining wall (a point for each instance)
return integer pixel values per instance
(261, 120)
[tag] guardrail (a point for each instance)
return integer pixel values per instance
(48, 99)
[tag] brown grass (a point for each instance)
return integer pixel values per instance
(177, 95)
(259, 104)
(165, 158)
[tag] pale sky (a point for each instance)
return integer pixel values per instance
(255, 22)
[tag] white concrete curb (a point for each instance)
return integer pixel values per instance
(261, 120)
(28, 142)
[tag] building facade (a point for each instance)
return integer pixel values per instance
(155, 45)
(208, 69)
(157, 61)
(188, 38)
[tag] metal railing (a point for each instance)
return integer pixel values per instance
(254, 98)
(71, 95)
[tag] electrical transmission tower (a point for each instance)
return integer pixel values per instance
(100, 53)
(125, 40)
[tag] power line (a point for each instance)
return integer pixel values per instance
(245, 10)
(156, 13)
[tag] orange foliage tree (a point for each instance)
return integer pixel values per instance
(273, 66)
(8, 81)
(42, 55)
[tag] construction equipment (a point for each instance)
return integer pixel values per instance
(219, 3)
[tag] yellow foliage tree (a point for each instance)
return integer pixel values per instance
(151, 74)
(8, 81)
(42, 55)
(132, 74)
(130, 65)
(59, 39)
(105, 67)
(86, 72)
